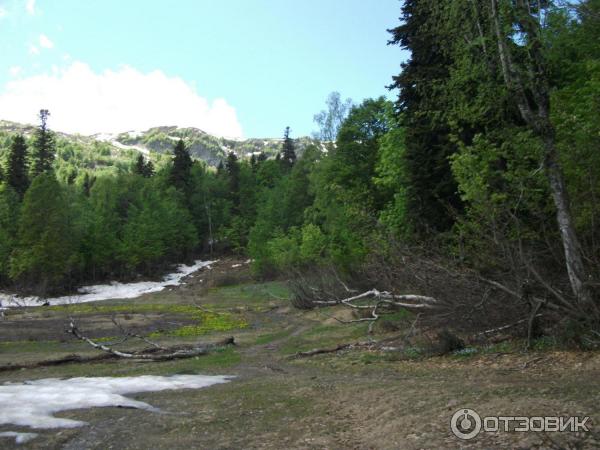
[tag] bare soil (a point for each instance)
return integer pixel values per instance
(354, 399)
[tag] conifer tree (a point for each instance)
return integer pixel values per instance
(182, 165)
(16, 165)
(431, 187)
(288, 154)
(43, 146)
(143, 168)
(140, 165)
(233, 172)
(149, 169)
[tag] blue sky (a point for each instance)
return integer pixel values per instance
(233, 67)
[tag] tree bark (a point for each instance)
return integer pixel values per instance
(538, 120)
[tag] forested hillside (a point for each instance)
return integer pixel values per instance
(488, 161)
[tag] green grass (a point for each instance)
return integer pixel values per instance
(325, 336)
(132, 308)
(270, 337)
(208, 322)
(253, 293)
(36, 346)
(215, 362)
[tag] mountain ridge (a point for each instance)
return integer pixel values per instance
(201, 145)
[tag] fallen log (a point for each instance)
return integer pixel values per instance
(319, 351)
(69, 359)
(154, 353)
(150, 354)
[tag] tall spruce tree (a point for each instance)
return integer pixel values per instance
(233, 172)
(182, 166)
(288, 154)
(431, 189)
(143, 167)
(43, 146)
(16, 165)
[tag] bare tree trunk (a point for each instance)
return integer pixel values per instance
(576, 269)
(538, 119)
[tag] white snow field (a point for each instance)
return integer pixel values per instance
(114, 290)
(33, 403)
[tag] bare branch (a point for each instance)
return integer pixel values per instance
(150, 354)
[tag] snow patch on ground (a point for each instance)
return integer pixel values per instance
(20, 438)
(114, 290)
(140, 149)
(33, 403)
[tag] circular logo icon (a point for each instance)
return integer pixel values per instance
(465, 424)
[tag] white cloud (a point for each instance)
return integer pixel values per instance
(45, 42)
(15, 71)
(30, 6)
(33, 50)
(3, 12)
(82, 101)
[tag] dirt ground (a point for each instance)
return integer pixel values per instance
(353, 399)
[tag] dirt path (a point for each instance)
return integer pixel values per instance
(355, 399)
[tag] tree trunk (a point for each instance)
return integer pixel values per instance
(576, 269)
(538, 120)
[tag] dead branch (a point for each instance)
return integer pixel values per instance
(421, 301)
(152, 354)
(506, 327)
(127, 334)
(320, 351)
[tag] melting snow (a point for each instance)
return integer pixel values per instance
(33, 403)
(20, 438)
(139, 148)
(114, 290)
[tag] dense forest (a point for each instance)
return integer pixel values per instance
(489, 160)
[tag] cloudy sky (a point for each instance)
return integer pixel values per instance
(238, 68)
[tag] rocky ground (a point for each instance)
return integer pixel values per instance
(358, 398)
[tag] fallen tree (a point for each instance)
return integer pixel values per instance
(153, 353)
(147, 354)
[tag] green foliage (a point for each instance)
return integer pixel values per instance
(451, 160)
(16, 165)
(43, 146)
(330, 120)
(143, 168)
(392, 179)
(180, 175)
(9, 215)
(430, 191)
(45, 255)
(208, 322)
(288, 154)
(158, 227)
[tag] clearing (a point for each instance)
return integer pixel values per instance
(358, 398)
